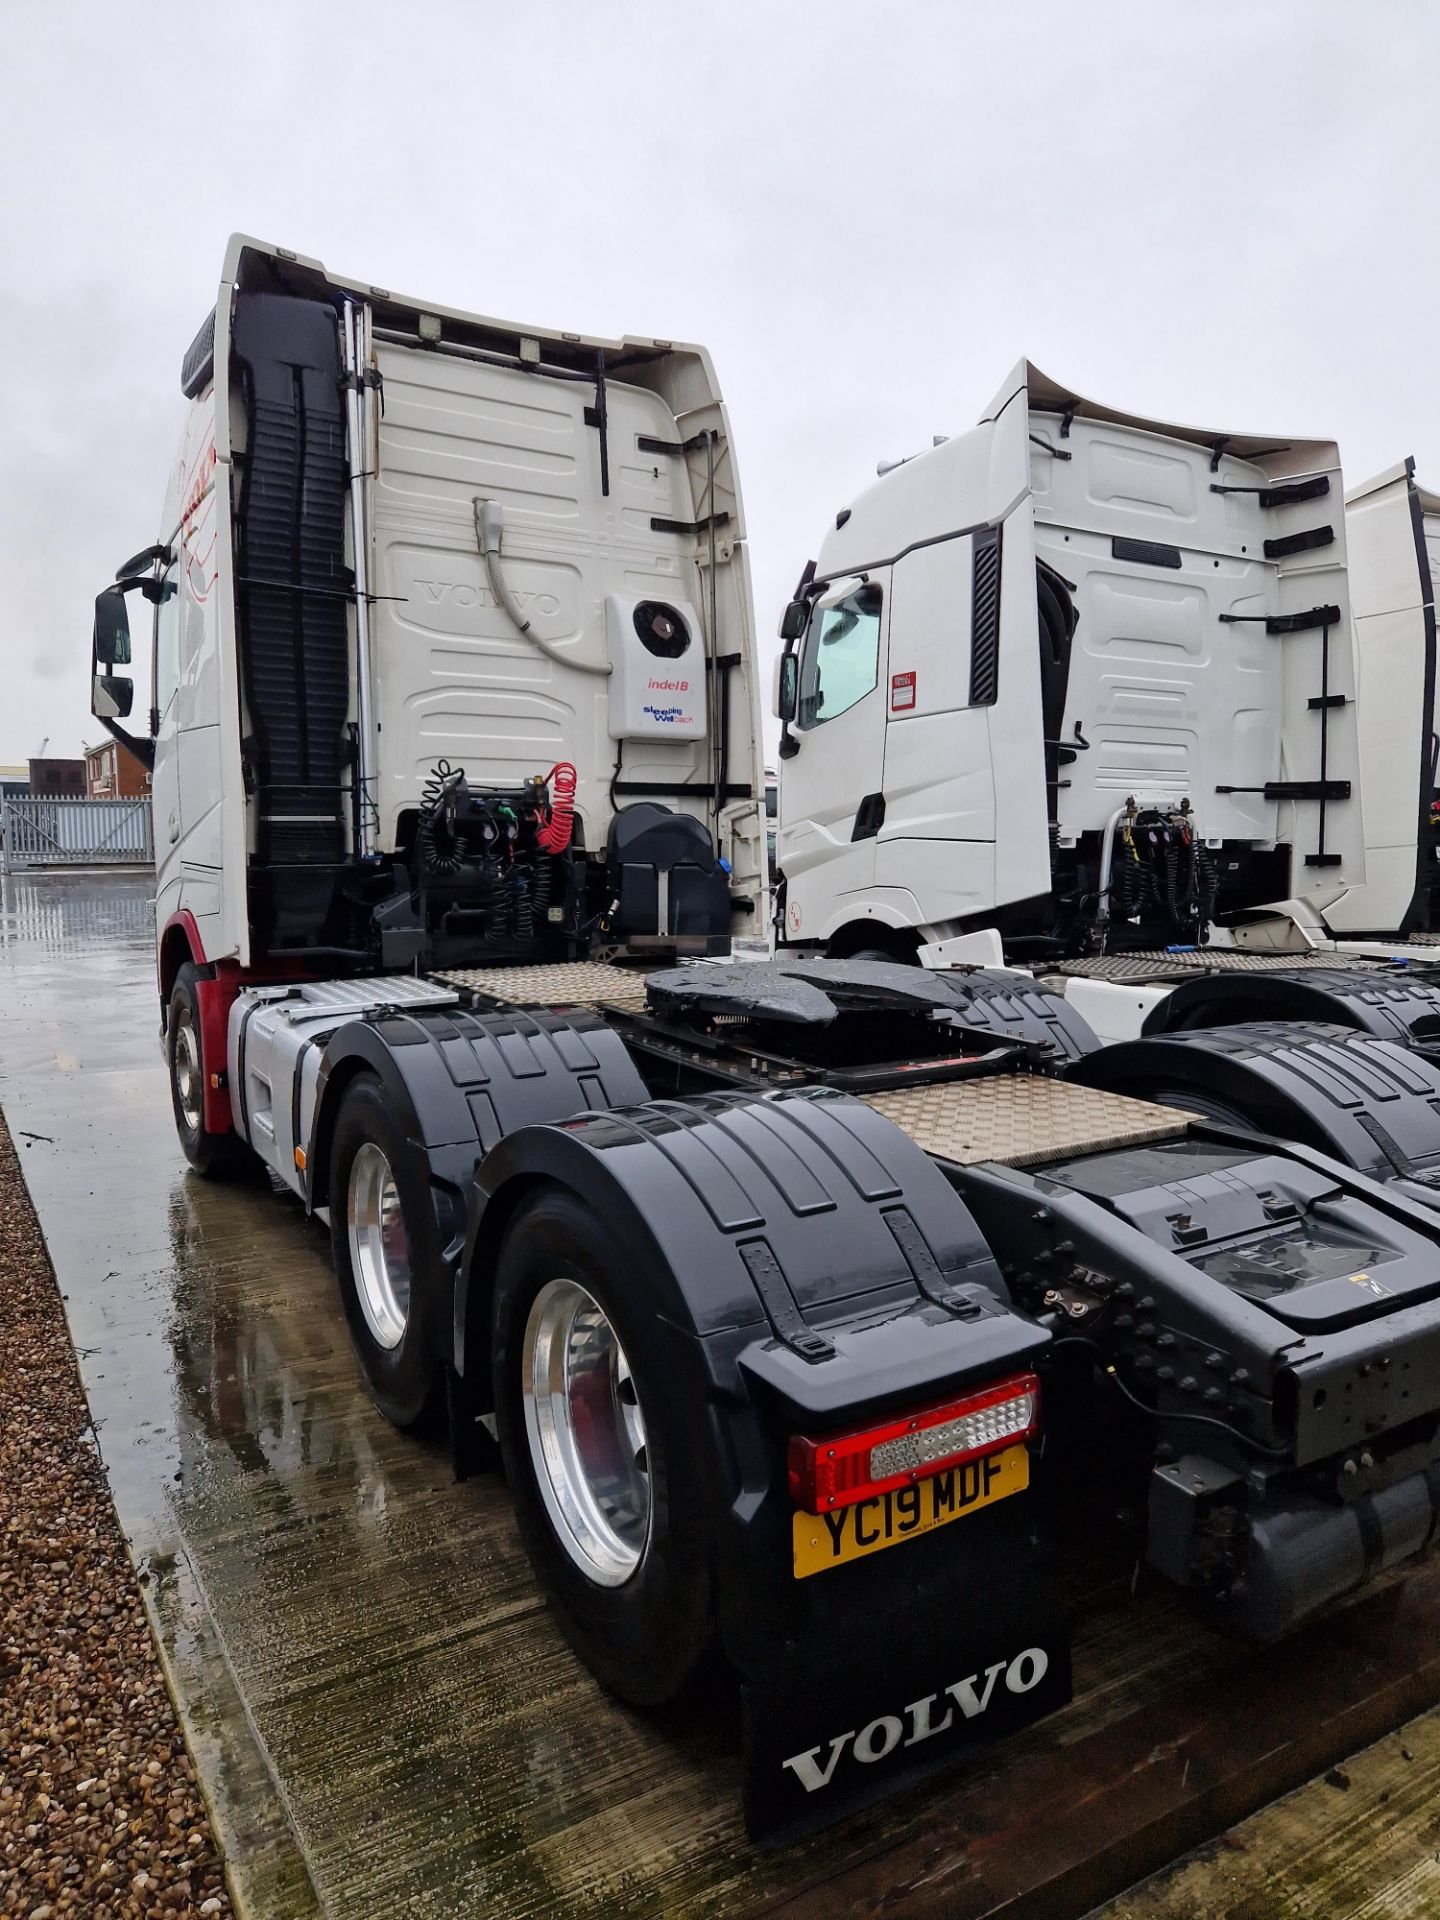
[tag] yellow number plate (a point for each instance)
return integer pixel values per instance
(825, 1540)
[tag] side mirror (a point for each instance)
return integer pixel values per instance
(794, 620)
(112, 630)
(111, 696)
(787, 688)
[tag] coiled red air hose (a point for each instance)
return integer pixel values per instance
(554, 836)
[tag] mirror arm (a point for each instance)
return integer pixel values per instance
(143, 750)
(145, 583)
(139, 562)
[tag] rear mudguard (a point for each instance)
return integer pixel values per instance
(812, 1269)
(1397, 1003)
(1373, 1104)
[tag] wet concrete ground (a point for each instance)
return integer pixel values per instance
(386, 1721)
(79, 1077)
(432, 1743)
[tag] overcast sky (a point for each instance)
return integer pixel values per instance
(1218, 213)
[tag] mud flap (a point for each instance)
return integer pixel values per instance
(839, 1728)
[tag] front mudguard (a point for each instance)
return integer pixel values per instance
(457, 1083)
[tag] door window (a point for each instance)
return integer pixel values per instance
(841, 659)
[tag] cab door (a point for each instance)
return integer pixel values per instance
(966, 826)
(966, 822)
(831, 806)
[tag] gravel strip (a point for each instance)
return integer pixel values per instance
(100, 1813)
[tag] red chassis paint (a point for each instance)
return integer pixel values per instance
(216, 991)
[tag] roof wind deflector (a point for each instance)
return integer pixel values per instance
(197, 369)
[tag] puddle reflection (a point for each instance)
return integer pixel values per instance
(258, 1342)
(69, 913)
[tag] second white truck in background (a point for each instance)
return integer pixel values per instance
(1076, 676)
(1392, 535)
(1080, 690)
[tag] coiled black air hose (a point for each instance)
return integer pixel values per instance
(541, 885)
(522, 907)
(440, 848)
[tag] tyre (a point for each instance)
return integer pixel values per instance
(392, 1304)
(879, 953)
(592, 1442)
(208, 1153)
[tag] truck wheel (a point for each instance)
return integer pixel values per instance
(208, 1153)
(592, 1444)
(390, 1303)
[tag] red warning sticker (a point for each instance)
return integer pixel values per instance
(902, 692)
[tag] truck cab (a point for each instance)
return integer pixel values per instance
(451, 648)
(1077, 676)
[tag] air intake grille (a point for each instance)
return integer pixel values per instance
(197, 369)
(293, 581)
(985, 619)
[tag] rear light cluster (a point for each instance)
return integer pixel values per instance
(843, 1468)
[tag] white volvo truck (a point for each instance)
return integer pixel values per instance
(763, 1276)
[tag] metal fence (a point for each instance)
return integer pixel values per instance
(76, 833)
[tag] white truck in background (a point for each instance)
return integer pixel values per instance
(1392, 537)
(1016, 634)
(1077, 687)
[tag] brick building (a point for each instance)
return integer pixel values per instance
(57, 779)
(113, 773)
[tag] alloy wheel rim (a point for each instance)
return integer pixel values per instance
(586, 1431)
(187, 1073)
(379, 1249)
